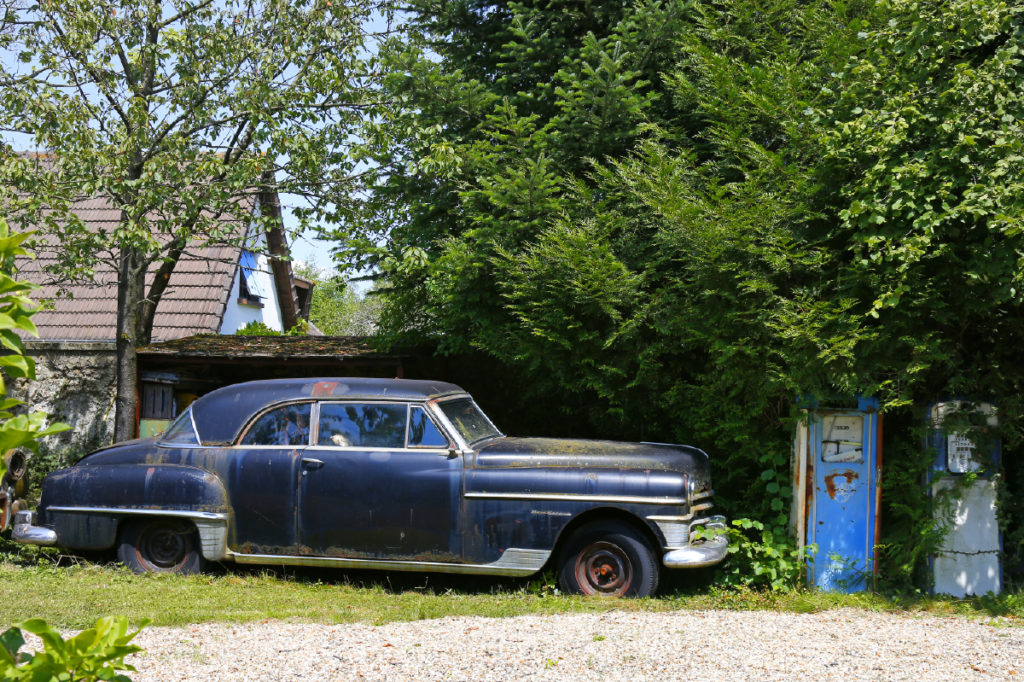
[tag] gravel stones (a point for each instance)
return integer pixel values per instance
(843, 644)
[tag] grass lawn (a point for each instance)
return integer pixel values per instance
(72, 595)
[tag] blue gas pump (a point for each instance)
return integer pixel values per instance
(837, 461)
(963, 489)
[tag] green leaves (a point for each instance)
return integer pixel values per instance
(763, 558)
(96, 653)
(16, 310)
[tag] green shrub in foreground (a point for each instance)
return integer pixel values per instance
(93, 654)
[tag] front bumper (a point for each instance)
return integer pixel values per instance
(27, 533)
(705, 548)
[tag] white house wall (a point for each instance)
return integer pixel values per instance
(237, 315)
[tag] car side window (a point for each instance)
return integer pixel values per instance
(288, 425)
(366, 425)
(423, 433)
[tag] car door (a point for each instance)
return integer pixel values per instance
(263, 480)
(380, 483)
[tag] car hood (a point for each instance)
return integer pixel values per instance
(577, 453)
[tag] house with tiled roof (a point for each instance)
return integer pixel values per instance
(213, 289)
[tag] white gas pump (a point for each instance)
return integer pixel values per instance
(963, 491)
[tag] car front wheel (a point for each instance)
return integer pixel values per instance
(160, 546)
(609, 558)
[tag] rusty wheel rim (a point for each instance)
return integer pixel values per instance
(164, 547)
(603, 568)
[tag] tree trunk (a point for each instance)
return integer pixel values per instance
(131, 280)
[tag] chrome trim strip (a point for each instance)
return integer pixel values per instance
(676, 533)
(212, 526)
(656, 519)
(192, 418)
(358, 448)
(703, 495)
(177, 513)
(182, 446)
(514, 562)
(569, 497)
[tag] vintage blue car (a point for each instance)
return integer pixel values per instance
(385, 474)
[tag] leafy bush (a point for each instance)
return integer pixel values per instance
(16, 311)
(261, 329)
(93, 654)
(761, 557)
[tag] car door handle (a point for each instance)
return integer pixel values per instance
(312, 463)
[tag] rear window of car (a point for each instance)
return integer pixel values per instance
(182, 431)
(286, 425)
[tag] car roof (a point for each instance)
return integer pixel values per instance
(221, 414)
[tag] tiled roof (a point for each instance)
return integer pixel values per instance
(193, 303)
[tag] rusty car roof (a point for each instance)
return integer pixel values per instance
(221, 414)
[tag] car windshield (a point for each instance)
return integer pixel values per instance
(472, 424)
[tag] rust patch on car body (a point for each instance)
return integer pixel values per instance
(322, 389)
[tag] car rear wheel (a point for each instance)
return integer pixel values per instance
(160, 546)
(610, 559)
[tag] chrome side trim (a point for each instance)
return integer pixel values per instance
(676, 530)
(514, 562)
(213, 538)
(177, 513)
(27, 533)
(656, 519)
(569, 497)
(212, 526)
(703, 495)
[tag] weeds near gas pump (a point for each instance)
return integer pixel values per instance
(761, 558)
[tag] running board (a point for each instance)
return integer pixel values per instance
(514, 562)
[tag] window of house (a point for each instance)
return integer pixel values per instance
(249, 290)
(157, 400)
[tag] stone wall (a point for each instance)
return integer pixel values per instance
(75, 384)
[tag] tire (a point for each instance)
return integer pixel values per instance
(608, 558)
(160, 546)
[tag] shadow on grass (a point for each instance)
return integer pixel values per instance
(684, 589)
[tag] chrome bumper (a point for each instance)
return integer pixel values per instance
(705, 551)
(28, 534)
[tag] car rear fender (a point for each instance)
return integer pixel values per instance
(85, 504)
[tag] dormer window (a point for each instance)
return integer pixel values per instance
(249, 291)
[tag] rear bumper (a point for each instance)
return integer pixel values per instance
(707, 550)
(27, 533)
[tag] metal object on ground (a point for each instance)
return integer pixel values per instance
(964, 497)
(836, 465)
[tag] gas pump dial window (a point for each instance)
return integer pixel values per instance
(842, 438)
(960, 454)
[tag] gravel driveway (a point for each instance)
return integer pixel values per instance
(845, 644)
